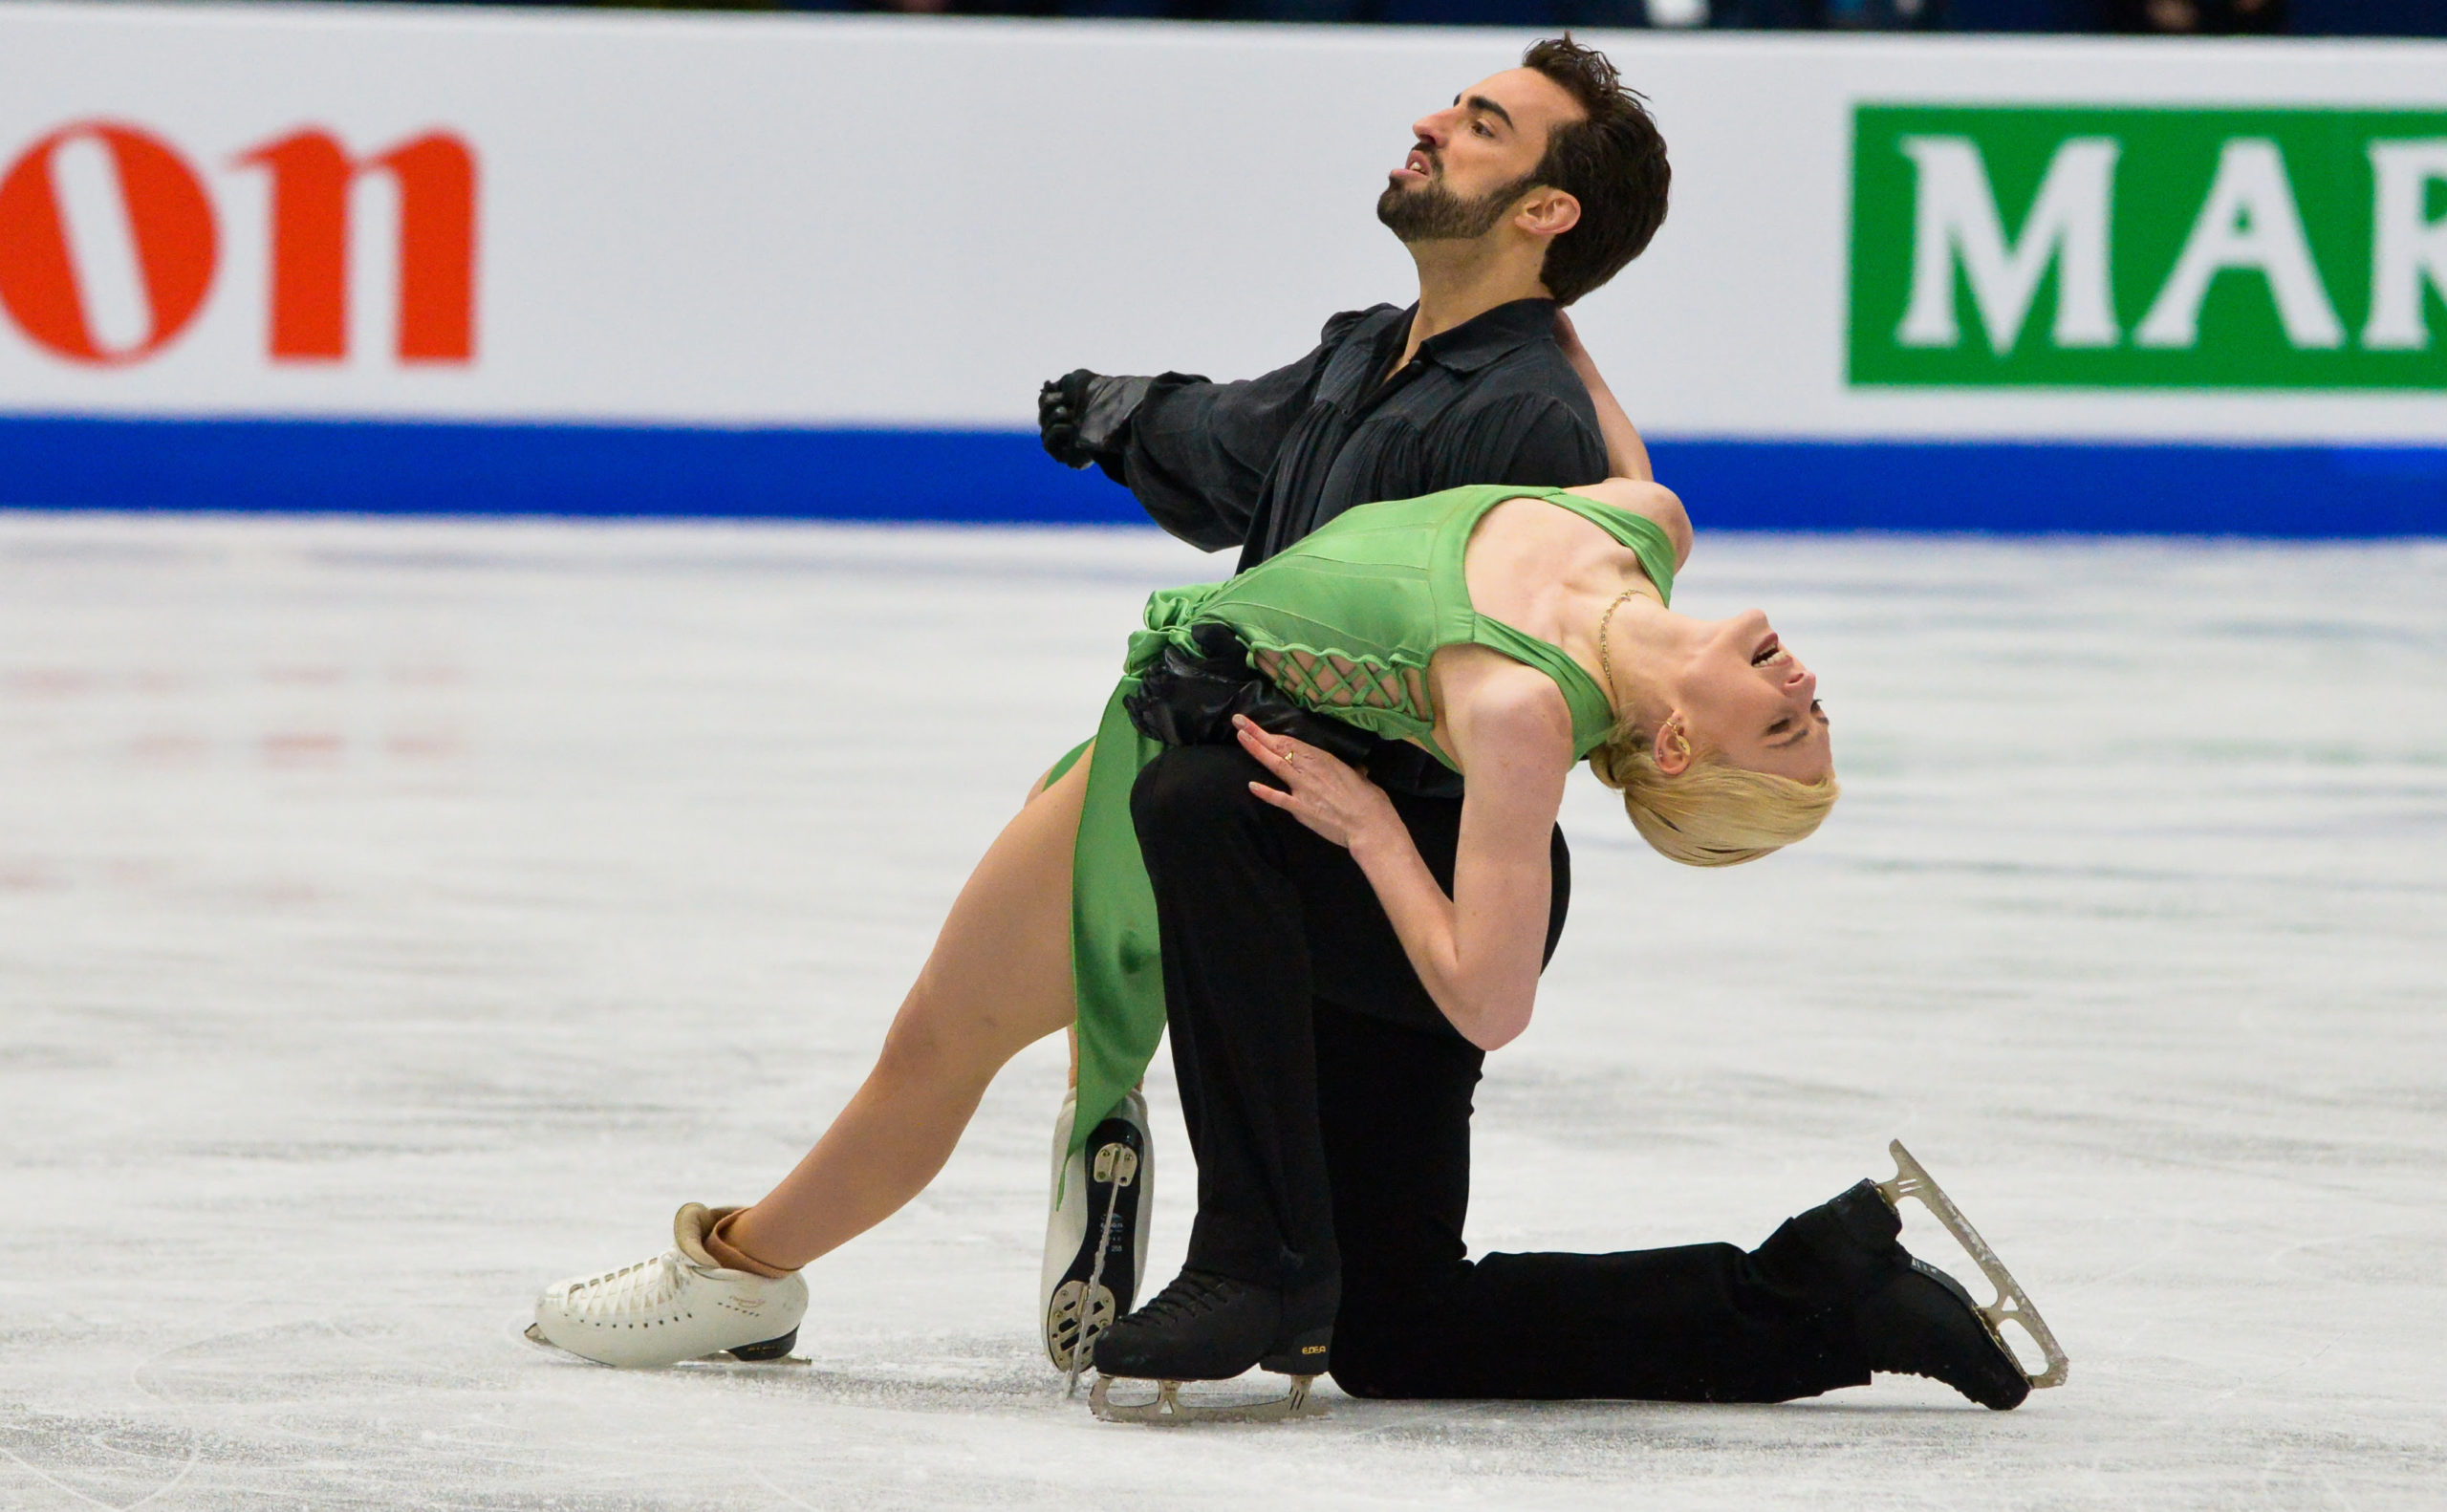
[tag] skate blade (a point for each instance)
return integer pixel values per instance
(534, 1335)
(1168, 1408)
(2012, 1304)
(1095, 1306)
(733, 1360)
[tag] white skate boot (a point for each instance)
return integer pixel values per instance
(683, 1305)
(1095, 1236)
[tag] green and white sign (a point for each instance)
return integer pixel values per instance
(2149, 247)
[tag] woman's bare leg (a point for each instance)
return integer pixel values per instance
(997, 981)
(1070, 1033)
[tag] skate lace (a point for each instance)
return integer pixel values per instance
(1191, 1294)
(649, 1287)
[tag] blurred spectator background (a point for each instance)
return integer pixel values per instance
(2165, 17)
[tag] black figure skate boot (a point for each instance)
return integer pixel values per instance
(1210, 1328)
(1914, 1319)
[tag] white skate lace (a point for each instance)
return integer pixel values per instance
(644, 1290)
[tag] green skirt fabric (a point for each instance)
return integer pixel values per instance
(1116, 964)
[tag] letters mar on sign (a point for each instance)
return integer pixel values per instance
(2149, 247)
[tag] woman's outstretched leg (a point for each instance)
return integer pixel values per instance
(997, 980)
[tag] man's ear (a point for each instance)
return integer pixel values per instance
(1672, 746)
(1547, 212)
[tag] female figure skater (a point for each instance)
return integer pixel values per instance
(1508, 630)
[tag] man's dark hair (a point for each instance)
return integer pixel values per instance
(1612, 161)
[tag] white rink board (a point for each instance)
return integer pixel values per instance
(394, 917)
(814, 221)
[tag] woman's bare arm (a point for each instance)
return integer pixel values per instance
(1477, 952)
(1626, 454)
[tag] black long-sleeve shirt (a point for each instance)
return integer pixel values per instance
(1262, 462)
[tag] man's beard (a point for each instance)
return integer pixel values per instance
(1436, 214)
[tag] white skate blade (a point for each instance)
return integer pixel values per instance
(2012, 1303)
(1169, 1409)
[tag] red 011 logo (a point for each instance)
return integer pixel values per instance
(174, 242)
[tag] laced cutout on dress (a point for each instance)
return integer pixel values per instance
(1332, 679)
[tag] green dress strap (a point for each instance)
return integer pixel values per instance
(1635, 531)
(1642, 536)
(1593, 712)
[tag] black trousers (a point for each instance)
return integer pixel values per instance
(1328, 1109)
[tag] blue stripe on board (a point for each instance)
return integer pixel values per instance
(443, 468)
(2039, 487)
(1001, 477)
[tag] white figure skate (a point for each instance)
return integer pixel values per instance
(2012, 1304)
(683, 1305)
(1096, 1232)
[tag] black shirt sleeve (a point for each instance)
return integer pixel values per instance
(1198, 451)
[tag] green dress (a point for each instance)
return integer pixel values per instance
(1357, 608)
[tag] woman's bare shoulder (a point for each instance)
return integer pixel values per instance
(1651, 501)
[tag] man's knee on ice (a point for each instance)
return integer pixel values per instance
(1367, 1364)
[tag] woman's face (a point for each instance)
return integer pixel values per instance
(1751, 700)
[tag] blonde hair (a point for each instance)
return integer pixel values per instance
(1715, 814)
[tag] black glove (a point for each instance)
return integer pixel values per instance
(1188, 697)
(1080, 416)
(1059, 404)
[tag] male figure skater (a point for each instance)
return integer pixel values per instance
(1467, 385)
(1331, 1123)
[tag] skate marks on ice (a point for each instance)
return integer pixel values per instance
(213, 1416)
(432, 1413)
(394, 917)
(84, 1461)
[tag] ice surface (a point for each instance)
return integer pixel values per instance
(395, 917)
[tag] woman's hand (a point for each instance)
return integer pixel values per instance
(1325, 793)
(1477, 948)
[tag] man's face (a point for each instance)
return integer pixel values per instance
(1473, 158)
